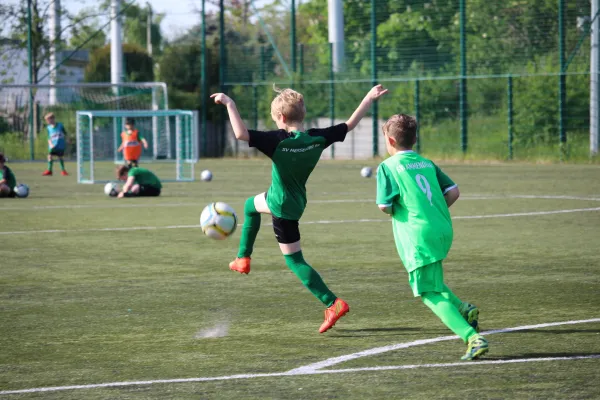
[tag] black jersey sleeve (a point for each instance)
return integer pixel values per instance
(336, 133)
(266, 141)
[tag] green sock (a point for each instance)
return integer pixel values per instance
(449, 314)
(310, 278)
(50, 165)
(447, 293)
(62, 164)
(250, 228)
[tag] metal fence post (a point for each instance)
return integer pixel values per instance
(374, 108)
(562, 81)
(293, 35)
(463, 78)
(204, 81)
(331, 94)
(222, 67)
(418, 112)
(510, 116)
(30, 68)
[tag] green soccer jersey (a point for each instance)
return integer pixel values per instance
(414, 187)
(295, 155)
(144, 177)
(6, 173)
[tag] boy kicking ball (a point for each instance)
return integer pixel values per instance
(417, 194)
(295, 152)
(56, 144)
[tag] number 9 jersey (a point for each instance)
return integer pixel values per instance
(414, 187)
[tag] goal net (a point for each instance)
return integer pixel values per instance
(20, 102)
(171, 135)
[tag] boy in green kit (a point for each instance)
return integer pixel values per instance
(417, 194)
(295, 151)
(7, 179)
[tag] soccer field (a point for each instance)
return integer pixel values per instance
(129, 293)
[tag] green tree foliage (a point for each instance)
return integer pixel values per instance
(87, 32)
(138, 65)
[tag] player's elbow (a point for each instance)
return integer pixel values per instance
(385, 208)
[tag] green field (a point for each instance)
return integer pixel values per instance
(98, 290)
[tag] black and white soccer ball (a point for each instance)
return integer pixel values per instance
(111, 189)
(21, 190)
(366, 172)
(206, 176)
(218, 220)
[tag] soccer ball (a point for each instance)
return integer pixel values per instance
(206, 175)
(21, 190)
(111, 189)
(366, 172)
(218, 220)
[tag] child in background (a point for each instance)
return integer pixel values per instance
(130, 143)
(57, 144)
(7, 179)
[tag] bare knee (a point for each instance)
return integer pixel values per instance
(135, 189)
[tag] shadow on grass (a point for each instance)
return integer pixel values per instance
(540, 355)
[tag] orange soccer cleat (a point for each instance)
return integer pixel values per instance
(333, 313)
(47, 173)
(64, 173)
(241, 265)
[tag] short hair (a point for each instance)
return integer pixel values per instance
(403, 128)
(130, 121)
(122, 170)
(289, 103)
(2, 158)
(49, 115)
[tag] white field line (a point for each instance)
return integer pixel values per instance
(333, 201)
(309, 370)
(384, 349)
(320, 222)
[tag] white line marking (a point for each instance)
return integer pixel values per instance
(384, 349)
(142, 205)
(315, 371)
(320, 222)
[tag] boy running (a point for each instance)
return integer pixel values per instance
(7, 179)
(139, 182)
(130, 143)
(295, 153)
(56, 144)
(417, 194)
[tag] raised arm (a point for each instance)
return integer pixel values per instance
(374, 94)
(239, 128)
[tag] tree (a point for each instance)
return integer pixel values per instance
(138, 65)
(87, 28)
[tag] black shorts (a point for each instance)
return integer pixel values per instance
(132, 163)
(149, 191)
(286, 230)
(57, 153)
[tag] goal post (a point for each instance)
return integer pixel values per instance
(172, 137)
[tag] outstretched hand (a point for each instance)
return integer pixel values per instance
(376, 92)
(221, 98)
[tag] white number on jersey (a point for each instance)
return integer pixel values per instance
(424, 185)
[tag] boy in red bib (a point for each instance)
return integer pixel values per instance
(130, 143)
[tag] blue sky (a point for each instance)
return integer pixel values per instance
(179, 14)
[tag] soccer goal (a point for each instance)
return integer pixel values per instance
(171, 135)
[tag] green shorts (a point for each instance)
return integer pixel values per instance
(428, 278)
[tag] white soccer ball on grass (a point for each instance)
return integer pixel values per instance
(21, 190)
(206, 176)
(366, 172)
(218, 220)
(111, 189)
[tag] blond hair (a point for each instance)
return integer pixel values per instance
(403, 128)
(288, 103)
(49, 115)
